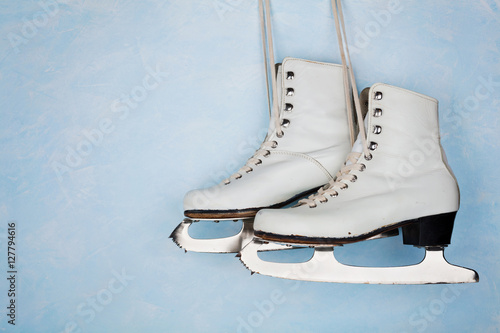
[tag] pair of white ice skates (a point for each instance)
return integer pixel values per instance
(395, 175)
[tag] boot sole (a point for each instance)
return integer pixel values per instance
(241, 213)
(433, 230)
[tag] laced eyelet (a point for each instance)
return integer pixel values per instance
(312, 206)
(227, 182)
(378, 95)
(280, 135)
(368, 157)
(372, 145)
(323, 200)
(285, 123)
(267, 153)
(345, 187)
(258, 162)
(249, 170)
(290, 91)
(354, 178)
(362, 168)
(275, 144)
(290, 75)
(288, 107)
(238, 176)
(377, 112)
(334, 194)
(377, 129)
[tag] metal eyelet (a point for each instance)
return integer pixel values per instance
(290, 92)
(280, 135)
(288, 107)
(290, 75)
(377, 129)
(362, 168)
(378, 95)
(354, 178)
(377, 112)
(372, 145)
(345, 187)
(275, 144)
(368, 157)
(285, 123)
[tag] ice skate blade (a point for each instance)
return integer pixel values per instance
(232, 244)
(323, 267)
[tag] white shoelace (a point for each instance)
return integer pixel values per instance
(349, 86)
(338, 183)
(272, 97)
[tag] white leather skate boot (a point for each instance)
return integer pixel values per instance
(310, 131)
(301, 154)
(396, 176)
(304, 147)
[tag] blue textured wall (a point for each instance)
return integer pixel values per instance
(112, 110)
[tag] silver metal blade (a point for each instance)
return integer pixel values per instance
(232, 244)
(323, 267)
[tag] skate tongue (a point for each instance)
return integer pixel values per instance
(273, 115)
(357, 147)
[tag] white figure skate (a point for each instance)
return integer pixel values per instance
(310, 133)
(400, 179)
(395, 177)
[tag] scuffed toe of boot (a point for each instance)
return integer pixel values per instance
(203, 199)
(278, 221)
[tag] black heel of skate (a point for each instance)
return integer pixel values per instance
(432, 230)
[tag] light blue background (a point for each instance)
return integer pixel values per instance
(111, 212)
